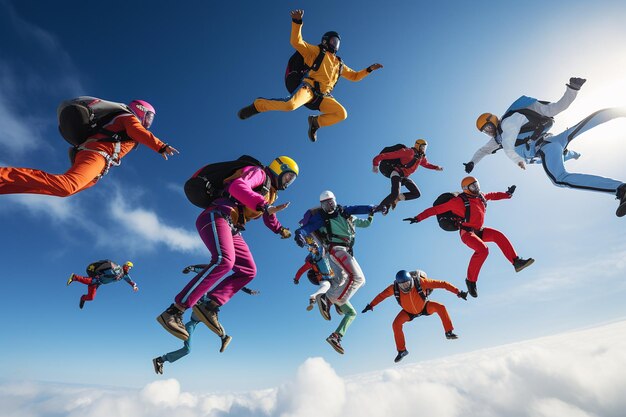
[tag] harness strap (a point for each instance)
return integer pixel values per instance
(111, 160)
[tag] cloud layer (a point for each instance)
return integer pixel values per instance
(578, 374)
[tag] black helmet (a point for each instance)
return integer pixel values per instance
(329, 43)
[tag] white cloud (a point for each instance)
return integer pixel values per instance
(577, 374)
(148, 229)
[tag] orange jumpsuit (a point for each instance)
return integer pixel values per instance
(413, 305)
(87, 167)
(327, 76)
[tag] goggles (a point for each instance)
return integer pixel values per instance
(334, 43)
(148, 119)
(474, 187)
(405, 286)
(328, 205)
(489, 129)
(287, 178)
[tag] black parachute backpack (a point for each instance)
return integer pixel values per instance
(387, 166)
(296, 71)
(97, 268)
(82, 117)
(207, 183)
(449, 221)
(536, 125)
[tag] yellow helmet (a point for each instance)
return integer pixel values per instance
(485, 118)
(128, 264)
(419, 143)
(284, 171)
(470, 185)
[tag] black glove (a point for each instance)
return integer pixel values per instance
(462, 294)
(367, 308)
(411, 220)
(296, 281)
(511, 189)
(187, 269)
(469, 166)
(250, 291)
(299, 240)
(575, 83)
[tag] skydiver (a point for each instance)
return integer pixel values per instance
(317, 84)
(335, 224)
(105, 274)
(93, 158)
(472, 232)
(402, 163)
(411, 290)
(523, 133)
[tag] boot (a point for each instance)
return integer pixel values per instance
(81, 304)
(313, 126)
(247, 112)
(225, 341)
(471, 288)
(158, 365)
(335, 341)
(324, 305)
(70, 279)
(519, 263)
(311, 303)
(451, 336)
(172, 321)
(208, 314)
(621, 195)
(401, 355)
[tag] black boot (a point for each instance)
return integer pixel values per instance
(519, 263)
(401, 355)
(313, 126)
(621, 195)
(81, 304)
(247, 112)
(471, 288)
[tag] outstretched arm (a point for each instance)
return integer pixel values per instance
(552, 109)
(485, 150)
(352, 75)
(309, 52)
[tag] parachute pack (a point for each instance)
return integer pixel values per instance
(387, 166)
(449, 221)
(297, 70)
(82, 117)
(537, 123)
(207, 183)
(97, 268)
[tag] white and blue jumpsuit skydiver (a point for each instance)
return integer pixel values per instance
(547, 149)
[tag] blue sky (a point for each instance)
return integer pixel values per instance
(198, 63)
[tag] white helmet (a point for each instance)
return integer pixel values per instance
(328, 201)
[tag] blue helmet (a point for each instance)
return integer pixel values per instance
(404, 280)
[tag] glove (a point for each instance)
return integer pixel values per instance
(575, 83)
(511, 190)
(299, 240)
(380, 209)
(411, 220)
(469, 166)
(375, 169)
(296, 281)
(367, 308)
(135, 288)
(187, 270)
(462, 294)
(284, 233)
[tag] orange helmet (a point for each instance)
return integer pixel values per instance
(485, 118)
(470, 185)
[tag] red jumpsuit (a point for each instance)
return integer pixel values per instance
(87, 166)
(414, 305)
(473, 234)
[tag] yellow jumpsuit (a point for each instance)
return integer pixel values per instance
(327, 76)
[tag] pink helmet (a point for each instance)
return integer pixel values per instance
(144, 112)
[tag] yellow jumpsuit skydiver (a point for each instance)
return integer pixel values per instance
(326, 77)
